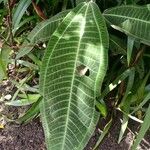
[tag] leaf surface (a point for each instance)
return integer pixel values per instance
(117, 45)
(5, 52)
(41, 33)
(19, 12)
(79, 45)
(132, 20)
(144, 128)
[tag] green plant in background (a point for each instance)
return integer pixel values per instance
(74, 65)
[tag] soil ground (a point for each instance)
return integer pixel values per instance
(31, 137)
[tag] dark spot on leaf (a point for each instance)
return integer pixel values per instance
(83, 70)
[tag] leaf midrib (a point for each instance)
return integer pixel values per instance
(46, 68)
(72, 83)
(127, 17)
(142, 39)
(98, 70)
(26, 3)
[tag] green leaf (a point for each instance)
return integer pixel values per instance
(72, 73)
(144, 128)
(141, 89)
(41, 33)
(147, 88)
(79, 1)
(27, 20)
(72, 3)
(130, 83)
(35, 59)
(141, 67)
(20, 85)
(124, 125)
(28, 64)
(117, 45)
(130, 116)
(4, 60)
(19, 12)
(125, 103)
(103, 134)
(142, 103)
(54, 2)
(135, 118)
(140, 92)
(129, 2)
(126, 109)
(102, 108)
(29, 96)
(116, 82)
(65, 2)
(130, 45)
(132, 20)
(147, 55)
(27, 100)
(3, 1)
(31, 113)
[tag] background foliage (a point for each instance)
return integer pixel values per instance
(28, 26)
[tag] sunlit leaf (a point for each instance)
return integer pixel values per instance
(68, 110)
(132, 20)
(116, 82)
(41, 33)
(124, 125)
(130, 116)
(102, 108)
(26, 100)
